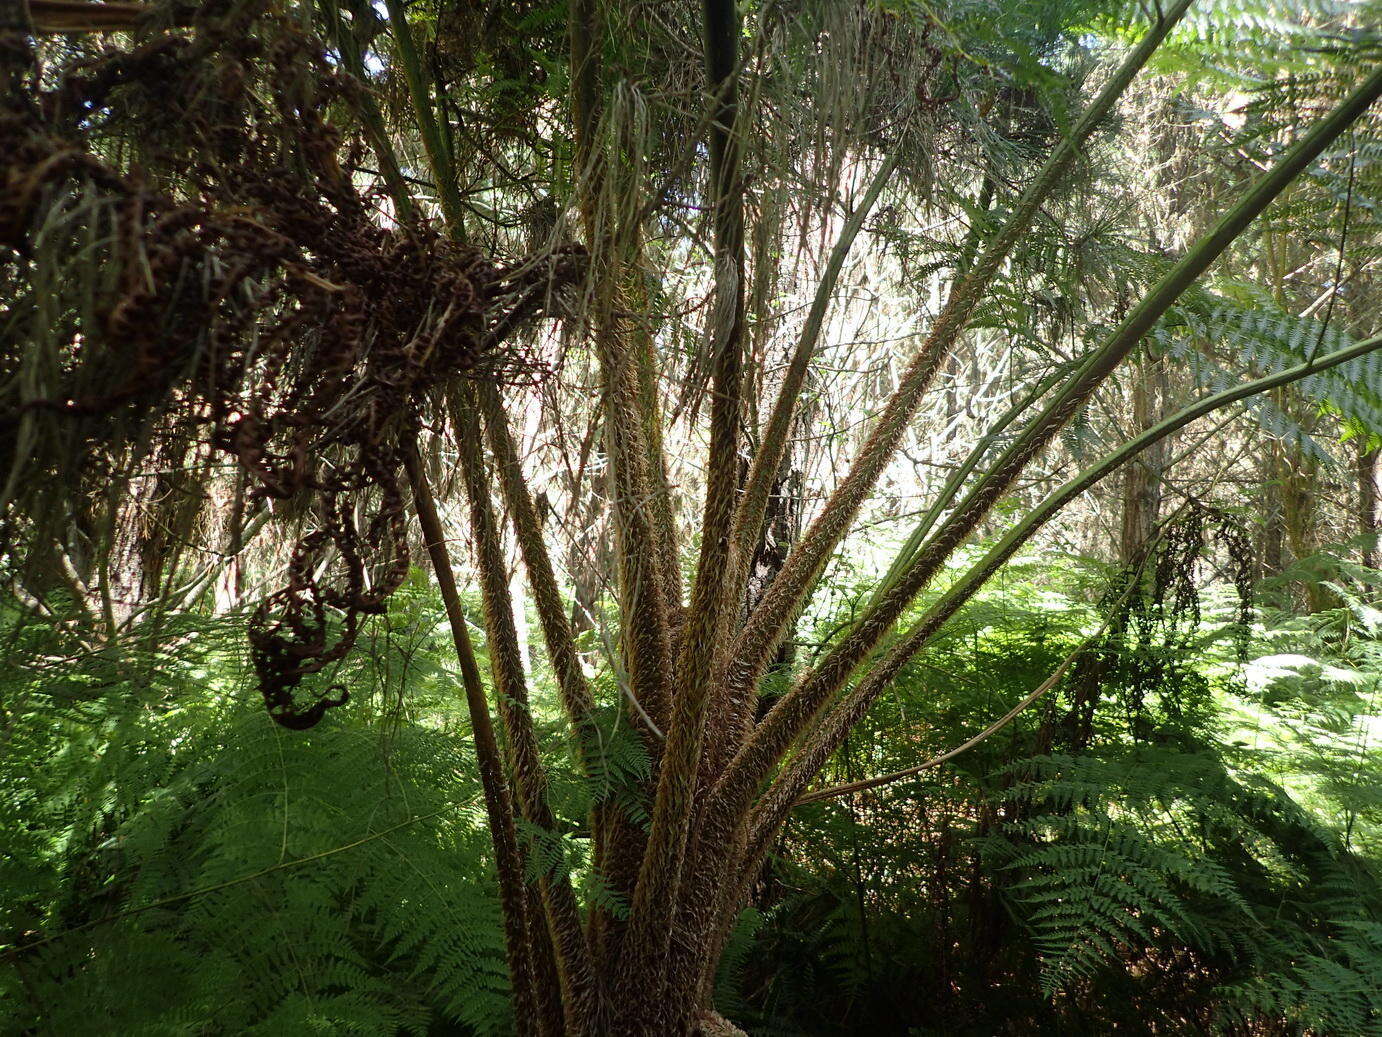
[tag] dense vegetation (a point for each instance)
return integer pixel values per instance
(802, 517)
(1170, 842)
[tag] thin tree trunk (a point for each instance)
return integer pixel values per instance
(1300, 484)
(1141, 489)
(1273, 548)
(1367, 501)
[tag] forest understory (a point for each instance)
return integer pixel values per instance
(781, 517)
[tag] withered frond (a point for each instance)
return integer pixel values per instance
(233, 293)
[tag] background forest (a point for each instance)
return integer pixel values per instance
(335, 339)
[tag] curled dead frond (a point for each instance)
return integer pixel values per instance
(240, 295)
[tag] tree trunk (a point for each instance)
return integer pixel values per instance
(1142, 478)
(1272, 553)
(1367, 501)
(1300, 484)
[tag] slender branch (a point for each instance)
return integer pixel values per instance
(726, 330)
(368, 109)
(734, 707)
(935, 761)
(646, 601)
(664, 513)
(1007, 718)
(748, 518)
(576, 697)
(584, 33)
(907, 554)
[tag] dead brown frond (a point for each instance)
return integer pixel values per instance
(239, 294)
